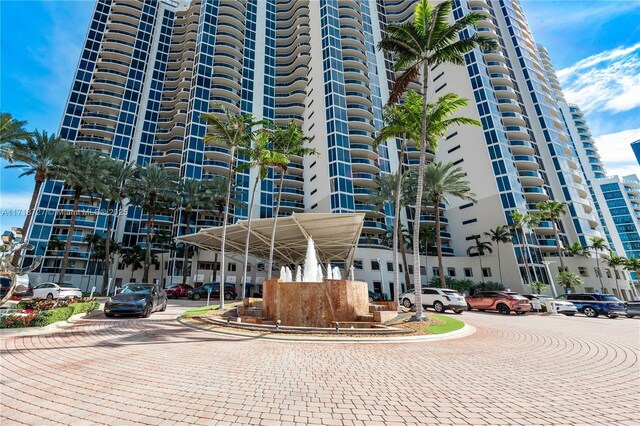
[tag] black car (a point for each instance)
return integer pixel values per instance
(230, 292)
(137, 299)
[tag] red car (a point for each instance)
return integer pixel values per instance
(502, 301)
(179, 290)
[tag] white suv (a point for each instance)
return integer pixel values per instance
(440, 299)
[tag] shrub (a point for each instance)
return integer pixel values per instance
(487, 286)
(17, 321)
(48, 316)
(460, 285)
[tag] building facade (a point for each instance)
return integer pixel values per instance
(149, 69)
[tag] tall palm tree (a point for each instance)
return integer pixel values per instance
(613, 262)
(135, 257)
(233, 131)
(290, 142)
(576, 249)
(262, 157)
(480, 248)
(82, 174)
(633, 265)
(599, 245)
(11, 132)
(554, 210)
(519, 223)
(386, 188)
(39, 154)
(151, 189)
(401, 121)
(441, 181)
(192, 195)
(94, 242)
(499, 235)
(115, 188)
(428, 241)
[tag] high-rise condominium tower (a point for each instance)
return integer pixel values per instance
(149, 70)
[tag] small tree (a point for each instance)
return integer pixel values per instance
(569, 280)
(499, 234)
(538, 286)
(599, 245)
(479, 248)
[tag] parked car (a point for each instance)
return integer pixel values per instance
(374, 297)
(502, 301)
(562, 306)
(440, 299)
(230, 292)
(594, 304)
(137, 299)
(179, 290)
(52, 291)
(633, 308)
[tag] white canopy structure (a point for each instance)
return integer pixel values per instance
(335, 236)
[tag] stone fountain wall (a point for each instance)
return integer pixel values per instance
(314, 304)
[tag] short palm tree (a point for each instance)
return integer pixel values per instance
(191, 197)
(425, 42)
(151, 189)
(93, 242)
(134, 257)
(599, 245)
(576, 249)
(613, 262)
(480, 248)
(569, 281)
(554, 210)
(114, 188)
(233, 131)
(82, 173)
(290, 142)
(12, 132)
(441, 181)
(519, 223)
(262, 157)
(538, 286)
(39, 154)
(499, 235)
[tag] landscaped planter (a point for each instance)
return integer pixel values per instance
(40, 318)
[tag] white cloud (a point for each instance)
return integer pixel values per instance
(616, 153)
(13, 207)
(607, 81)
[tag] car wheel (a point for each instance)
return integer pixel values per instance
(196, 296)
(629, 316)
(370, 299)
(147, 310)
(612, 316)
(520, 313)
(438, 307)
(189, 294)
(503, 309)
(468, 307)
(228, 296)
(569, 314)
(590, 312)
(457, 311)
(109, 315)
(164, 306)
(49, 296)
(406, 303)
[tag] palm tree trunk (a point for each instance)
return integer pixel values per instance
(599, 272)
(185, 251)
(246, 241)
(107, 247)
(557, 238)
(403, 252)
(27, 220)
(273, 228)
(499, 264)
(525, 252)
(439, 242)
(481, 269)
(224, 231)
(72, 225)
(398, 228)
(147, 256)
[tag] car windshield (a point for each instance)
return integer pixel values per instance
(66, 285)
(137, 289)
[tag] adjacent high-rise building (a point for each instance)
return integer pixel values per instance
(149, 70)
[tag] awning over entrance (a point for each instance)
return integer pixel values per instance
(335, 236)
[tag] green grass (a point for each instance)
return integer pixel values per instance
(448, 325)
(198, 311)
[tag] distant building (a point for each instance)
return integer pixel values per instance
(635, 146)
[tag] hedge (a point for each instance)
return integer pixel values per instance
(49, 316)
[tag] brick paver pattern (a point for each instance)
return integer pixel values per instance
(530, 370)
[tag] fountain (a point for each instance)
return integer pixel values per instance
(314, 301)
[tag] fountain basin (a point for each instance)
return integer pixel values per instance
(314, 304)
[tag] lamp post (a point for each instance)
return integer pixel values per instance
(381, 275)
(553, 288)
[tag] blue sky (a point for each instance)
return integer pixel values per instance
(594, 45)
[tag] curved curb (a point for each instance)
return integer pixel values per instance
(465, 331)
(51, 328)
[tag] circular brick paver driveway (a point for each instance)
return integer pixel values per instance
(514, 370)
